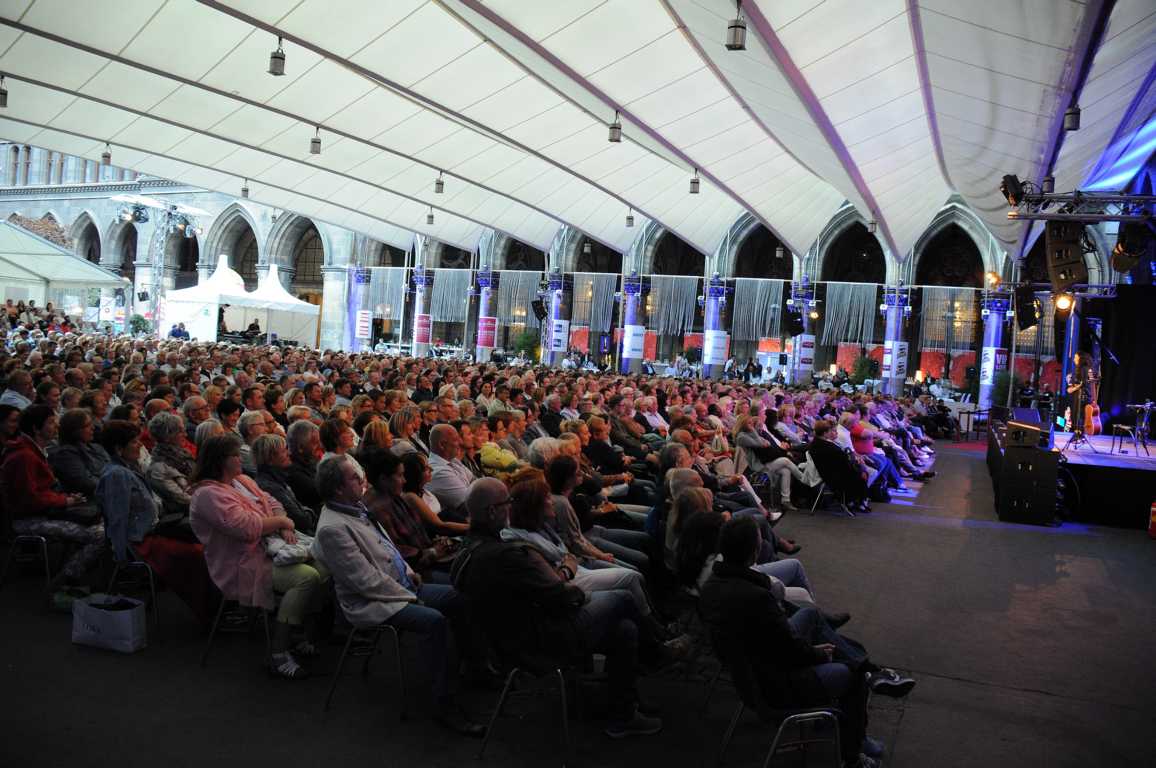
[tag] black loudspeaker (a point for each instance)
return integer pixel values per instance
(1064, 244)
(1028, 485)
(142, 296)
(794, 324)
(971, 372)
(1026, 416)
(1026, 307)
(783, 358)
(539, 309)
(1023, 434)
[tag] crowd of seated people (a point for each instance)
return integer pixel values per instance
(445, 497)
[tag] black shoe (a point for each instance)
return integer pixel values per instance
(837, 620)
(925, 475)
(637, 725)
(455, 720)
(888, 682)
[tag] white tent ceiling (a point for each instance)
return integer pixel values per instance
(25, 257)
(892, 105)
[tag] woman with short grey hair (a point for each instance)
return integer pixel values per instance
(206, 429)
(171, 465)
(271, 457)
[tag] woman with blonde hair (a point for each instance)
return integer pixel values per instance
(376, 435)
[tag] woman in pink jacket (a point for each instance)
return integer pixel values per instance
(232, 516)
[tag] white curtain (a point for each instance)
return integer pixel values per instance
(516, 289)
(942, 305)
(850, 313)
(673, 299)
(756, 309)
(387, 292)
(450, 297)
(593, 302)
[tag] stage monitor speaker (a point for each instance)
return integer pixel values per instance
(794, 323)
(142, 296)
(1026, 307)
(1064, 249)
(1023, 435)
(1028, 485)
(539, 309)
(1026, 416)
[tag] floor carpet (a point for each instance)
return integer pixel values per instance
(1028, 644)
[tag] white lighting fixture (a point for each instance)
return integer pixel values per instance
(1048, 185)
(277, 61)
(780, 252)
(245, 188)
(3, 94)
(694, 183)
(439, 184)
(429, 217)
(587, 248)
(1072, 118)
(737, 31)
(615, 129)
(106, 155)
(629, 218)
(315, 143)
(872, 226)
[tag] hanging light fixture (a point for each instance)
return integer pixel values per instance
(1072, 118)
(615, 129)
(106, 155)
(629, 217)
(737, 30)
(315, 143)
(1048, 185)
(872, 226)
(780, 253)
(439, 184)
(587, 248)
(694, 183)
(245, 188)
(277, 61)
(3, 94)
(429, 217)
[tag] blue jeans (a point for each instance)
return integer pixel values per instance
(628, 547)
(429, 620)
(789, 571)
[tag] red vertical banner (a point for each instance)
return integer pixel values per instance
(421, 332)
(487, 330)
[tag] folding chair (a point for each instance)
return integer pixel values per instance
(136, 564)
(18, 546)
(547, 676)
(369, 652)
(238, 608)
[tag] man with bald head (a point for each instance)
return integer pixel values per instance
(450, 478)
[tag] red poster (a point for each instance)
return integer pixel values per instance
(487, 330)
(421, 331)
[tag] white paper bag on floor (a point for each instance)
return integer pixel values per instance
(113, 622)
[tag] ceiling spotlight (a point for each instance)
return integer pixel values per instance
(1048, 185)
(1064, 302)
(872, 226)
(814, 315)
(429, 217)
(106, 155)
(315, 143)
(439, 184)
(993, 279)
(245, 188)
(630, 218)
(1012, 189)
(780, 252)
(277, 60)
(615, 129)
(3, 93)
(1072, 118)
(737, 30)
(587, 248)
(694, 183)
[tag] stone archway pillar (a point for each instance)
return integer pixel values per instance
(487, 321)
(335, 282)
(715, 339)
(894, 370)
(633, 331)
(993, 356)
(422, 322)
(557, 336)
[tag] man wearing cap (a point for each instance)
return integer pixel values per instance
(535, 617)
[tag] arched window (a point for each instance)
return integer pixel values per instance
(676, 257)
(950, 258)
(247, 260)
(761, 255)
(596, 257)
(522, 256)
(308, 259)
(855, 257)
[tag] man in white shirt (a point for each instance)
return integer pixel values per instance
(19, 392)
(450, 479)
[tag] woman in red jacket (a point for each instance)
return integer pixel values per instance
(35, 505)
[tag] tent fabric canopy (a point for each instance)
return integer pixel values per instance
(892, 105)
(28, 258)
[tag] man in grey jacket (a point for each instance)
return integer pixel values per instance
(375, 585)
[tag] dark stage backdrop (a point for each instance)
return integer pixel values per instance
(1130, 331)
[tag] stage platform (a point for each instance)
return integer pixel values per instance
(1097, 485)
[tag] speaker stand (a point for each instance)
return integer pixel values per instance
(1077, 439)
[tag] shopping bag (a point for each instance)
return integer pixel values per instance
(113, 622)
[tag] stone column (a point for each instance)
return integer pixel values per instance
(802, 297)
(557, 336)
(422, 322)
(335, 281)
(487, 321)
(894, 370)
(993, 357)
(633, 331)
(715, 340)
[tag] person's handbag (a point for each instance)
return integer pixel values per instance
(112, 622)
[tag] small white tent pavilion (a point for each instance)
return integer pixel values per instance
(34, 268)
(279, 312)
